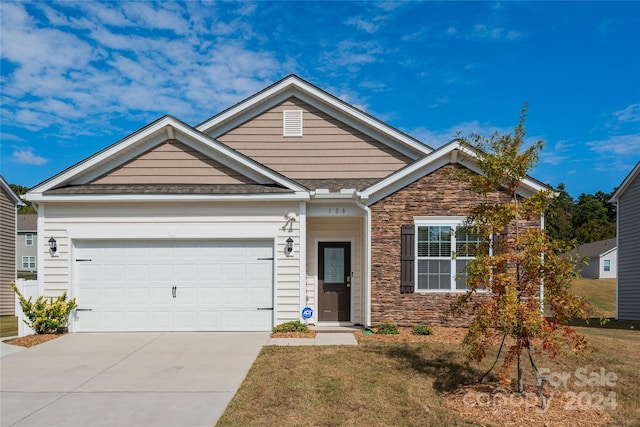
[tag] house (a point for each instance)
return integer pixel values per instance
(9, 204)
(26, 252)
(627, 197)
(601, 259)
(291, 198)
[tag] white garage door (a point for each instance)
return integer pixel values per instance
(173, 285)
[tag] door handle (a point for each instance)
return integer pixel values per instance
(174, 290)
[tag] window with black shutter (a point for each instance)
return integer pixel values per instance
(407, 259)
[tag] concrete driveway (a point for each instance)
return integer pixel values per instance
(126, 379)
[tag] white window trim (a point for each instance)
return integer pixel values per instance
(28, 259)
(454, 222)
(28, 239)
(287, 129)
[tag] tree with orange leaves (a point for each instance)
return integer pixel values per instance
(517, 266)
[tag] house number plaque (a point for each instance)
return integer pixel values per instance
(337, 211)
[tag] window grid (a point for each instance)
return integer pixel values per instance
(28, 262)
(439, 268)
(28, 239)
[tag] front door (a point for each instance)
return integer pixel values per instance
(334, 281)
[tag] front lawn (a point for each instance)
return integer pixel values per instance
(601, 293)
(8, 326)
(394, 383)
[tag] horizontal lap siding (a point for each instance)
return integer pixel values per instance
(7, 253)
(61, 217)
(327, 149)
(629, 252)
(172, 163)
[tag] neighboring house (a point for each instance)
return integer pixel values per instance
(9, 204)
(27, 254)
(627, 198)
(601, 259)
(289, 199)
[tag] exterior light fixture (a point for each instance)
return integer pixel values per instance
(288, 250)
(53, 246)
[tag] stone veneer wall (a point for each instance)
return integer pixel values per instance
(437, 194)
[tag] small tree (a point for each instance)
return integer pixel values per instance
(515, 261)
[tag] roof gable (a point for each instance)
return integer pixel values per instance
(596, 249)
(453, 152)
(635, 172)
(109, 165)
(6, 188)
(326, 149)
(294, 86)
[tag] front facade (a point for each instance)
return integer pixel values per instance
(627, 198)
(289, 199)
(26, 252)
(9, 203)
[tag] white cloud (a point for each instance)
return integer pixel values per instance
(482, 31)
(618, 145)
(629, 114)
(26, 157)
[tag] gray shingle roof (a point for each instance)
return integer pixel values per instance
(595, 249)
(27, 222)
(217, 189)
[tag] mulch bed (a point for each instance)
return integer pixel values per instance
(490, 404)
(441, 334)
(31, 340)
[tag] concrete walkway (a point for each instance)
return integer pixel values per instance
(322, 338)
(126, 379)
(7, 349)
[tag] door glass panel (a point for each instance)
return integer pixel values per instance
(334, 265)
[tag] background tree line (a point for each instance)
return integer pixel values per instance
(587, 219)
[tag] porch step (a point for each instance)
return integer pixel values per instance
(335, 329)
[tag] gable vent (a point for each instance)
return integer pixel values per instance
(292, 123)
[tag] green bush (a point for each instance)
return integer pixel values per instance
(421, 330)
(46, 316)
(295, 326)
(387, 329)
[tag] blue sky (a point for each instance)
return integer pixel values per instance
(79, 76)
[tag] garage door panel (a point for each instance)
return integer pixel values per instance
(219, 285)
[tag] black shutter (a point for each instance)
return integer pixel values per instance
(407, 259)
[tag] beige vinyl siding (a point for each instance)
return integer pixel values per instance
(629, 252)
(60, 218)
(172, 163)
(7, 253)
(337, 229)
(327, 149)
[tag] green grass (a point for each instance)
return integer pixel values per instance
(8, 326)
(601, 293)
(384, 383)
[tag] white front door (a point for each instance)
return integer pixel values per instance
(166, 285)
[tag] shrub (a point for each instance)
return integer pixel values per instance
(295, 326)
(387, 329)
(421, 330)
(46, 316)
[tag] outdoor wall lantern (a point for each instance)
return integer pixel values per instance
(53, 246)
(289, 248)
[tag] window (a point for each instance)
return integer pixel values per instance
(28, 262)
(607, 265)
(443, 250)
(28, 239)
(292, 123)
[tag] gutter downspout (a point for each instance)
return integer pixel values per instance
(367, 259)
(542, 281)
